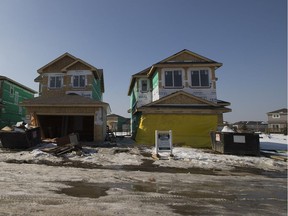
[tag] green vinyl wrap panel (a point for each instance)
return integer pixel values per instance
(155, 80)
(96, 92)
(11, 95)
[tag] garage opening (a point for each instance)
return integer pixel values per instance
(58, 126)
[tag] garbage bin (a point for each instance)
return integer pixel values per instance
(20, 140)
(235, 143)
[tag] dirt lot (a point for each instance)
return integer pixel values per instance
(137, 186)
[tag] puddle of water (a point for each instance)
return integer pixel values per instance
(96, 190)
(194, 198)
(84, 189)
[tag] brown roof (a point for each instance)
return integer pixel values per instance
(64, 100)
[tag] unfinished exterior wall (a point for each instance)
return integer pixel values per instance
(181, 96)
(277, 121)
(70, 99)
(64, 69)
(11, 94)
(187, 130)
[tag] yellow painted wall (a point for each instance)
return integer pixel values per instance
(188, 130)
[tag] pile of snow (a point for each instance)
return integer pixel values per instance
(183, 157)
(227, 129)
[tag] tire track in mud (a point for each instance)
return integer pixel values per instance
(111, 198)
(35, 199)
(168, 199)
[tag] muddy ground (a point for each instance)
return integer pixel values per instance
(71, 187)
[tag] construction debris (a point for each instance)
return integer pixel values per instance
(60, 150)
(65, 144)
(20, 136)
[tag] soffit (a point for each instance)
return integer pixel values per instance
(64, 100)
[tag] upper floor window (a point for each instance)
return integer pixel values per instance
(173, 78)
(16, 98)
(200, 78)
(275, 116)
(144, 85)
(55, 81)
(79, 81)
(11, 90)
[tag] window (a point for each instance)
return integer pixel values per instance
(144, 85)
(16, 98)
(79, 81)
(11, 90)
(200, 78)
(275, 126)
(275, 116)
(173, 78)
(55, 81)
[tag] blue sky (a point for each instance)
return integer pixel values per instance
(125, 36)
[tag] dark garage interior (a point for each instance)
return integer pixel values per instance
(55, 126)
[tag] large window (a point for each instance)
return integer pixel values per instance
(55, 81)
(173, 78)
(79, 81)
(200, 78)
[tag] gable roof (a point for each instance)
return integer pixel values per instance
(190, 59)
(18, 84)
(66, 61)
(73, 58)
(189, 56)
(181, 98)
(283, 110)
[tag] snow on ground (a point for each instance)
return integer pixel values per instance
(273, 142)
(183, 157)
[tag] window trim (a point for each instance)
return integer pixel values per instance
(164, 70)
(275, 116)
(55, 76)
(11, 91)
(141, 85)
(79, 86)
(190, 70)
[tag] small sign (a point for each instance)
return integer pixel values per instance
(239, 139)
(218, 137)
(163, 141)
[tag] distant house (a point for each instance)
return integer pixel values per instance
(70, 100)
(11, 94)
(118, 123)
(250, 126)
(178, 94)
(277, 121)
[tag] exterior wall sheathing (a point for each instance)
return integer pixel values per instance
(187, 130)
